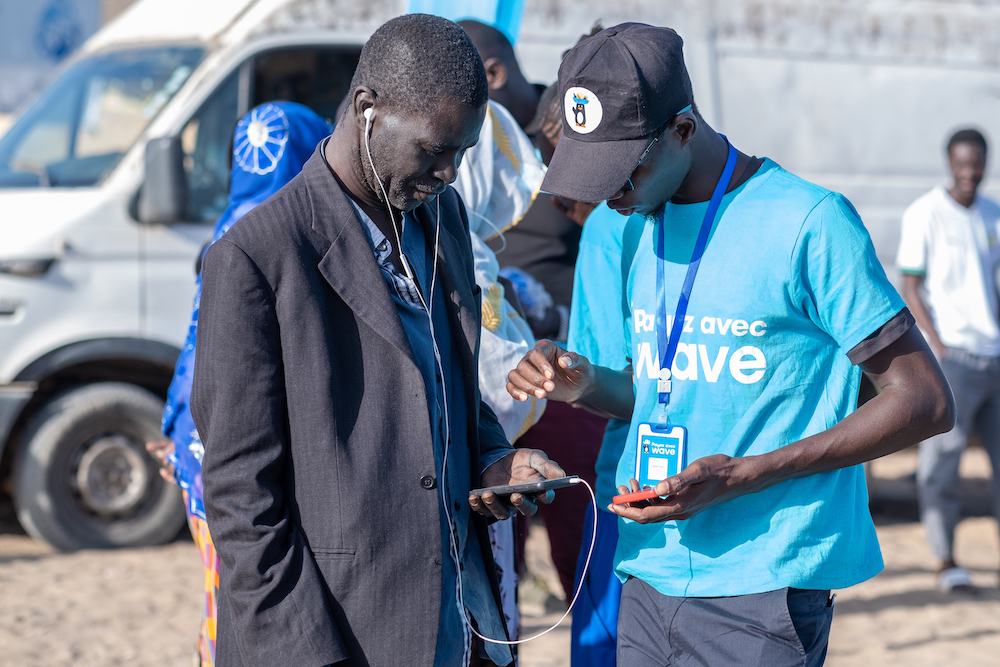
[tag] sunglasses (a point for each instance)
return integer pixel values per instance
(628, 184)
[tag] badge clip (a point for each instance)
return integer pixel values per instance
(663, 383)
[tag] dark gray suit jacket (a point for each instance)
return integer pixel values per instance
(318, 449)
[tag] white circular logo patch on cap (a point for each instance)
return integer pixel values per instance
(583, 110)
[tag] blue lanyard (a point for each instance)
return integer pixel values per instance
(666, 349)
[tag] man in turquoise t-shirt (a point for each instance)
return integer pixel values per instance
(748, 436)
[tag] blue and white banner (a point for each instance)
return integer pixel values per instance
(35, 37)
(504, 15)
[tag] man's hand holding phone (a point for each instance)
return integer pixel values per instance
(707, 482)
(519, 467)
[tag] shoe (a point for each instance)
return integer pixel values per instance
(955, 580)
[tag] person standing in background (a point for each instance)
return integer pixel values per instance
(544, 242)
(289, 132)
(498, 181)
(948, 254)
(543, 245)
(507, 84)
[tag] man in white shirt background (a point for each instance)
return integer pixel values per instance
(948, 254)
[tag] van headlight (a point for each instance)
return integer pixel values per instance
(26, 267)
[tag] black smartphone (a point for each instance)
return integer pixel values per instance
(540, 486)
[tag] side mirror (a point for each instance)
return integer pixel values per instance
(163, 198)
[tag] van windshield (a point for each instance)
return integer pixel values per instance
(84, 122)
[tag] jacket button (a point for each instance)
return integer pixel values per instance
(428, 482)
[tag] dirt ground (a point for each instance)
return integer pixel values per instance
(141, 607)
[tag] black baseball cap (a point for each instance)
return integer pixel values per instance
(618, 88)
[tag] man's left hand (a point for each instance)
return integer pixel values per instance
(518, 467)
(706, 482)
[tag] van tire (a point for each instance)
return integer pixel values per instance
(83, 478)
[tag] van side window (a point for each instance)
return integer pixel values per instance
(316, 76)
(206, 141)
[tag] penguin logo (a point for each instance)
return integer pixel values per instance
(583, 110)
(580, 111)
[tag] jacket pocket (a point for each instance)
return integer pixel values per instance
(334, 554)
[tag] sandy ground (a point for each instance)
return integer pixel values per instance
(141, 607)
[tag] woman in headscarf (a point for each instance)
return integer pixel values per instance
(270, 145)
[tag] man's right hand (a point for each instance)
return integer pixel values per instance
(549, 371)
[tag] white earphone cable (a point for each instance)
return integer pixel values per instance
(442, 487)
(499, 232)
(579, 586)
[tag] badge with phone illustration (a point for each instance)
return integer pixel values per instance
(659, 453)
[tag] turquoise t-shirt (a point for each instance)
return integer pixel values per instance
(788, 284)
(596, 327)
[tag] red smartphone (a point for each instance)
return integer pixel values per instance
(635, 497)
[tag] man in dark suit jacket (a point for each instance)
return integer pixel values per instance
(336, 387)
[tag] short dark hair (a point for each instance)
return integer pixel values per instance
(967, 136)
(490, 42)
(416, 61)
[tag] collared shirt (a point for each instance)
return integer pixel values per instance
(399, 285)
(454, 480)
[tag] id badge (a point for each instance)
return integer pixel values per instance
(659, 453)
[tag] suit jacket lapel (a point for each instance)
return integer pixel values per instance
(349, 265)
(463, 313)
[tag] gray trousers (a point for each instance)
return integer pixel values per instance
(784, 628)
(975, 381)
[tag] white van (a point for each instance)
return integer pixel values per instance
(109, 184)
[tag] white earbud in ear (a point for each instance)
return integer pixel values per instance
(369, 113)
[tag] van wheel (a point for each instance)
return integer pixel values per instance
(83, 478)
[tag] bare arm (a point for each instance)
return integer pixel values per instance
(612, 394)
(912, 282)
(914, 403)
(549, 371)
